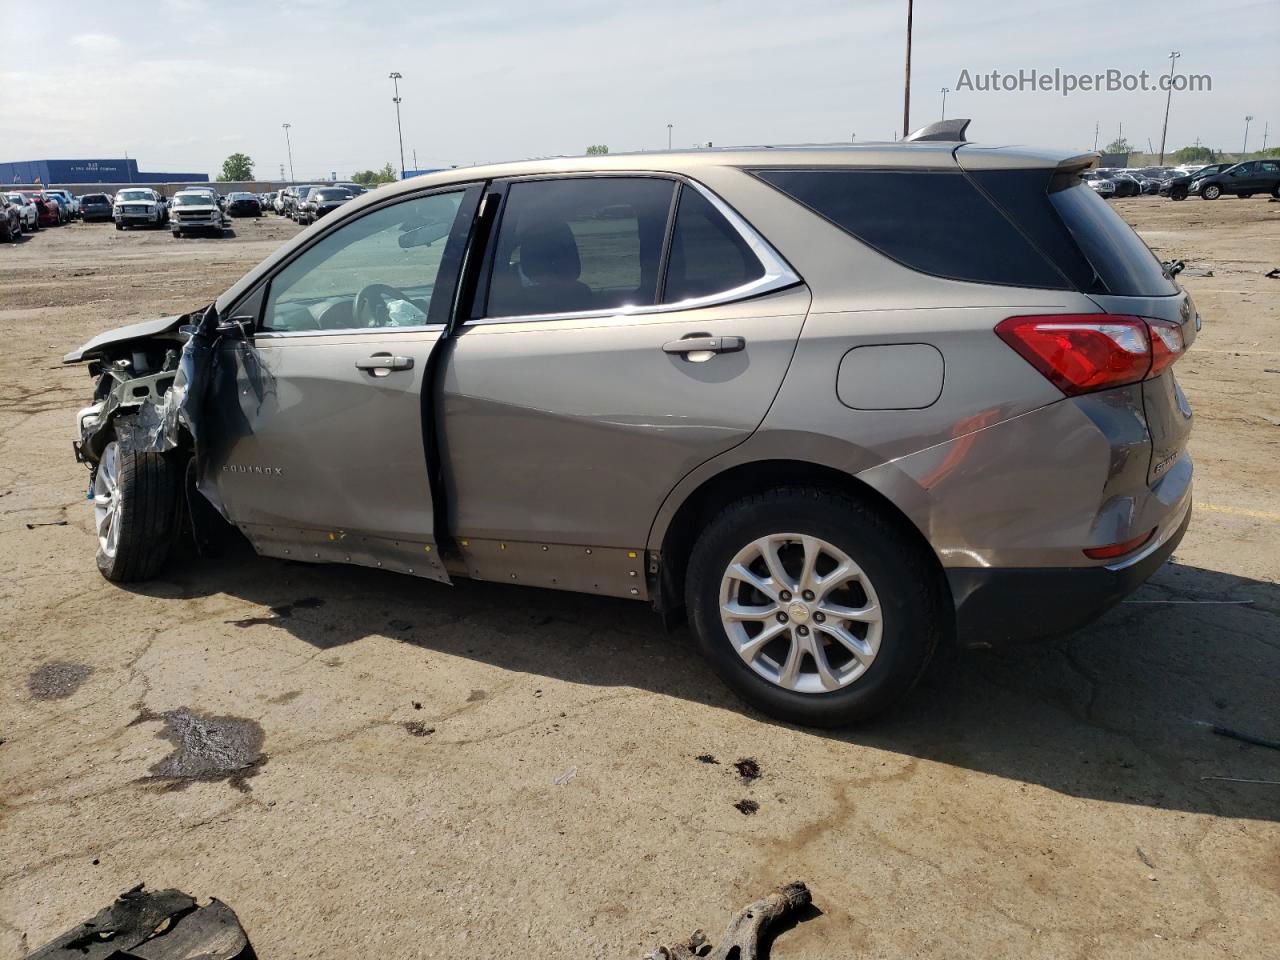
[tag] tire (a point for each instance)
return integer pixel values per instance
(1211, 192)
(1275, 192)
(1180, 195)
(119, 225)
(896, 579)
(136, 504)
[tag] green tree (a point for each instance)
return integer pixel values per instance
(1118, 145)
(1194, 155)
(597, 149)
(371, 178)
(237, 168)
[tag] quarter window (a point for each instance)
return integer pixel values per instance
(933, 221)
(579, 244)
(708, 256)
(377, 271)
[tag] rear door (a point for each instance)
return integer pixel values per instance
(626, 329)
(325, 456)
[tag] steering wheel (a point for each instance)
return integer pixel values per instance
(372, 300)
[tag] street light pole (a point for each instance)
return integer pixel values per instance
(906, 87)
(289, 145)
(1173, 59)
(395, 76)
(945, 91)
(669, 136)
(1244, 148)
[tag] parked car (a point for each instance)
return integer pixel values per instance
(298, 198)
(352, 188)
(1125, 185)
(48, 211)
(243, 205)
(196, 210)
(1242, 180)
(713, 381)
(321, 200)
(68, 202)
(96, 206)
(1102, 186)
(278, 204)
(138, 207)
(26, 209)
(1177, 188)
(10, 221)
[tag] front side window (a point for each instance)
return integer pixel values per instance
(579, 244)
(378, 271)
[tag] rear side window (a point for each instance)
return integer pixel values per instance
(579, 244)
(936, 222)
(1124, 264)
(708, 256)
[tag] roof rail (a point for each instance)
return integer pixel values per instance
(952, 130)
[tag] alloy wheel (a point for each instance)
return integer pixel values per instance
(800, 613)
(106, 500)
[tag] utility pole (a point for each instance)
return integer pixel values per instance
(945, 91)
(415, 159)
(1265, 130)
(395, 76)
(906, 86)
(1173, 59)
(1244, 148)
(1097, 127)
(669, 136)
(289, 146)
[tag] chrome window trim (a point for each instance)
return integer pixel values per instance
(347, 331)
(778, 275)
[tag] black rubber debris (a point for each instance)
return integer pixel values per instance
(747, 807)
(706, 758)
(747, 769)
(159, 925)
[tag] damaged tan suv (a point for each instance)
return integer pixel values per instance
(836, 405)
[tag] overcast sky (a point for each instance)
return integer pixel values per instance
(180, 84)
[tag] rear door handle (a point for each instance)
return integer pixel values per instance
(704, 344)
(381, 364)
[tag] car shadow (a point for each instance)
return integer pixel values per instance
(1122, 711)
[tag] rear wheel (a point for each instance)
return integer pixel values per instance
(812, 607)
(136, 497)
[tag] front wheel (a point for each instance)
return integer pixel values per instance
(1211, 192)
(136, 499)
(813, 607)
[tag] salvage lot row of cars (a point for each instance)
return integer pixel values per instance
(1209, 182)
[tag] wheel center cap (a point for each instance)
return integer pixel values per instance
(798, 612)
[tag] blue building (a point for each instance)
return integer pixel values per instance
(89, 171)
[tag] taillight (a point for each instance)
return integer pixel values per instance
(1081, 353)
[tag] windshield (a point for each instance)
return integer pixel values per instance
(134, 195)
(193, 200)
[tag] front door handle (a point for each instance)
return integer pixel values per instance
(381, 364)
(700, 343)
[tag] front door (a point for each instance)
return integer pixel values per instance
(325, 457)
(627, 329)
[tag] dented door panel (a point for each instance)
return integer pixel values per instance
(320, 459)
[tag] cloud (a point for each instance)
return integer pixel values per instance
(96, 42)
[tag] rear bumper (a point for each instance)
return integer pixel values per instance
(996, 607)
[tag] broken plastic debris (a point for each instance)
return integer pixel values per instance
(159, 925)
(565, 777)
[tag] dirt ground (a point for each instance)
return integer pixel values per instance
(498, 771)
